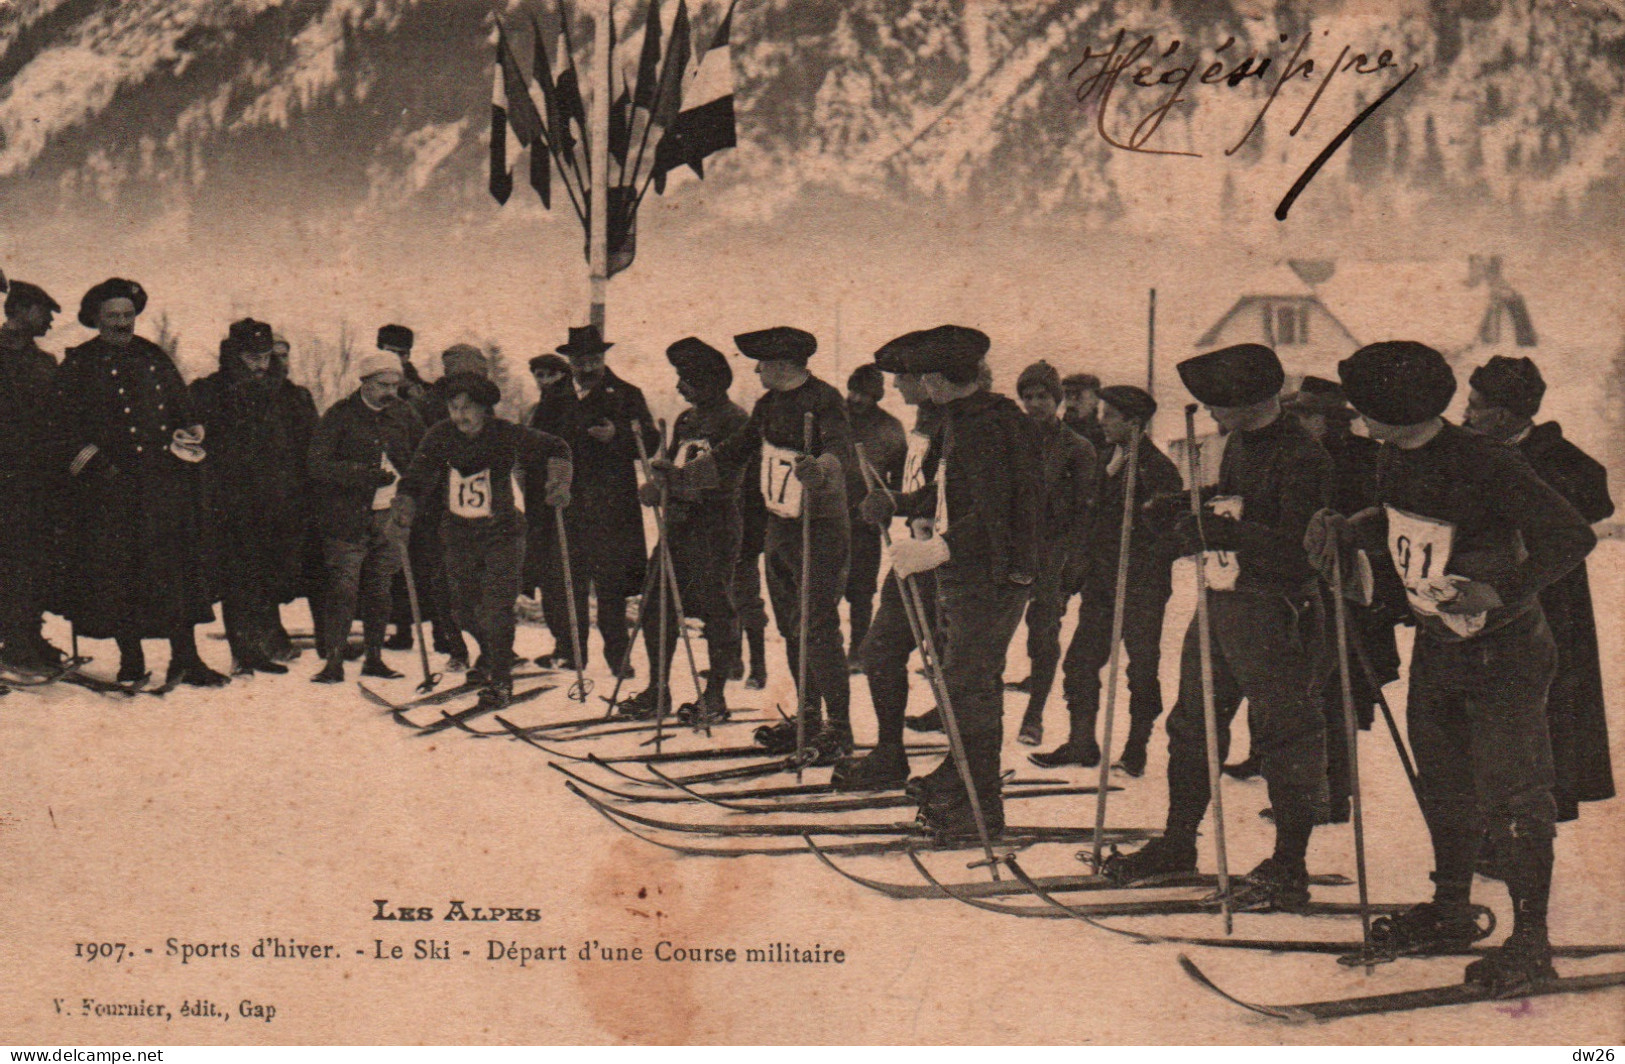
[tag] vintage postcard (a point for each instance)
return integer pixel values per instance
(797, 521)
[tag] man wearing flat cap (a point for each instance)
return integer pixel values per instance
(986, 505)
(597, 418)
(29, 516)
(142, 541)
(1504, 397)
(702, 529)
(258, 425)
(362, 445)
(1082, 413)
(1124, 411)
(487, 472)
(881, 437)
(1474, 537)
(1266, 646)
(794, 477)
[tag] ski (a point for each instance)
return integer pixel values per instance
(892, 800)
(104, 687)
(659, 797)
(1052, 884)
(908, 828)
(462, 716)
(635, 729)
(806, 789)
(438, 698)
(16, 678)
(1405, 1000)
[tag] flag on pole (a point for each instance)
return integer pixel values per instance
(519, 120)
(503, 144)
(705, 123)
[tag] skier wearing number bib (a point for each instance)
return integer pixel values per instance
(793, 477)
(1267, 632)
(702, 526)
(484, 468)
(1474, 536)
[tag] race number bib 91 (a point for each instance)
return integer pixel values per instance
(469, 496)
(780, 488)
(1420, 549)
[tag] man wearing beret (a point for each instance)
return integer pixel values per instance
(793, 478)
(1504, 397)
(1266, 639)
(484, 469)
(1474, 537)
(1124, 410)
(133, 446)
(27, 518)
(702, 529)
(597, 418)
(1071, 470)
(258, 425)
(361, 446)
(986, 505)
(882, 439)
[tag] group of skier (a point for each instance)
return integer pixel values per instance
(138, 501)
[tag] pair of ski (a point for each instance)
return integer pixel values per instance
(71, 671)
(398, 711)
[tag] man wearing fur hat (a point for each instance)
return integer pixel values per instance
(398, 341)
(1267, 644)
(702, 527)
(986, 506)
(1504, 398)
(484, 470)
(1474, 536)
(28, 517)
(360, 448)
(882, 439)
(597, 418)
(258, 424)
(1071, 468)
(141, 534)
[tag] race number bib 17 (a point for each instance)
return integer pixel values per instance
(780, 488)
(469, 496)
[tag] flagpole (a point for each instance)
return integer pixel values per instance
(598, 221)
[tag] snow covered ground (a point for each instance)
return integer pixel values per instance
(276, 808)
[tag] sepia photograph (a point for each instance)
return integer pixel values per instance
(812, 522)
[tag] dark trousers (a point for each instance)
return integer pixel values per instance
(1267, 649)
(1091, 648)
(704, 546)
(862, 580)
(978, 618)
(1045, 610)
(483, 566)
(592, 576)
(1476, 716)
(428, 572)
(24, 579)
(886, 651)
(358, 578)
(827, 679)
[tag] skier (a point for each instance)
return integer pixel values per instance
(702, 529)
(258, 425)
(1124, 410)
(1071, 470)
(881, 437)
(484, 468)
(357, 453)
(1504, 398)
(986, 503)
(792, 477)
(1474, 536)
(141, 540)
(27, 520)
(1266, 634)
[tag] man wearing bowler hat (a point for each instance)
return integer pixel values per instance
(1267, 639)
(1474, 537)
(598, 417)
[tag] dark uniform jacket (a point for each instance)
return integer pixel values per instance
(696, 431)
(777, 419)
(1575, 707)
(994, 488)
(1071, 471)
(347, 450)
(476, 477)
(1156, 477)
(31, 511)
(882, 438)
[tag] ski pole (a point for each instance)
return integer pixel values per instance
(1387, 716)
(1119, 605)
(430, 680)
(666, 565)
(578, 691)
(1204, 639)
(805, 602)
(939, 685)
(1351, 730)
(872, 477)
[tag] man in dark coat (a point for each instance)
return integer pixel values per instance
(398, 341)
(258, 426)
(604, 524)
(134, 447)
(544, 569)
(1082, 413)
(882, 439)
(1504, 398)
(26, 521)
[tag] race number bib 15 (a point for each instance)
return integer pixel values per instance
(469, 496)
(780, 488)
